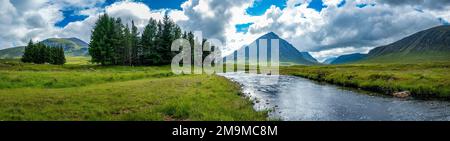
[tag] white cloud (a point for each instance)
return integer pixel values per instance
(331, 32)
(332, 2)
(217, 22)
(336, 52)
(23, 20)
(133, 11)
(346, 28)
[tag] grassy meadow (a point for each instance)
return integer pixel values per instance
(81, 91)
(423, 80)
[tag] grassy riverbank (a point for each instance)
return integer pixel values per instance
(79, 91)
(425, 80)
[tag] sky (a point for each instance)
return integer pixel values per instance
(325, 28)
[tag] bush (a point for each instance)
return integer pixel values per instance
(40, 54)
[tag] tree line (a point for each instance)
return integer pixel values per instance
(40, 54)
(113, 43)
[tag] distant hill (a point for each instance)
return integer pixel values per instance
(428, 45)
(12, 52)
(329, 60)
(288, 53)
(348, 58)
(308, 57)
(72, 47)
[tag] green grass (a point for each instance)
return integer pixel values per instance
(411, 58)
(424, 80)
(14, 52)
(14, 74)
(78, 60)
(82, 91)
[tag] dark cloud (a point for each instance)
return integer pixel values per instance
(425, 4)
(210, 17)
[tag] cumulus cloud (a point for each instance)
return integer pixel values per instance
(23, 20)
(336, 52)
(212, 17)
(335, 30)
(344, 30)
(438, 8)
(425, 4)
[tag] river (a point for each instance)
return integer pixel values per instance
(297, 99)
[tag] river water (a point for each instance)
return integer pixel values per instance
(293, 98)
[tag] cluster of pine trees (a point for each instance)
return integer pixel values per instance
(40, 54)
(113, 43)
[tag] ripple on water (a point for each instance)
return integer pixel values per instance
(294, 98)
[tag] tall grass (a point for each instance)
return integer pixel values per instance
(425, 80)
(82, 91)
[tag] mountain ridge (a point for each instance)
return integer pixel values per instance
(329, 60)
(433, 39)
(428, 45)
(348, 58)
(288, 53)
(72, 47)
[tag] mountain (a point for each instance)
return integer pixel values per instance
(308, 57)
(79, 42)
(429, 45)
(72, 47)
(348, 58)
(12, 52)
(288, 53)
(329, 60)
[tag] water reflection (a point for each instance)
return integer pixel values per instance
(294, 98)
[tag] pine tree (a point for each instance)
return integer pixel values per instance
(27, 55)
(177, 32)
(113, 43)
(118, 43)
(98, 47)
(40, 54)
(185, 35)
(190, 38)
(56, 56)
(136, 48)
(127, 46)
(167, 38)
(205, 53)
(59, 57)
(158, 46)
(148, 41)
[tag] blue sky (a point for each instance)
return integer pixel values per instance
(72, 15)
(326, 28)
(260, 6)
(160, 4)
(316, 5)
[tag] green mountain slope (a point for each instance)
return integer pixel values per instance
(72, 47)
(430, 45)
(348, 58)
(329, 60)
(288, 54)
(12, 52)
